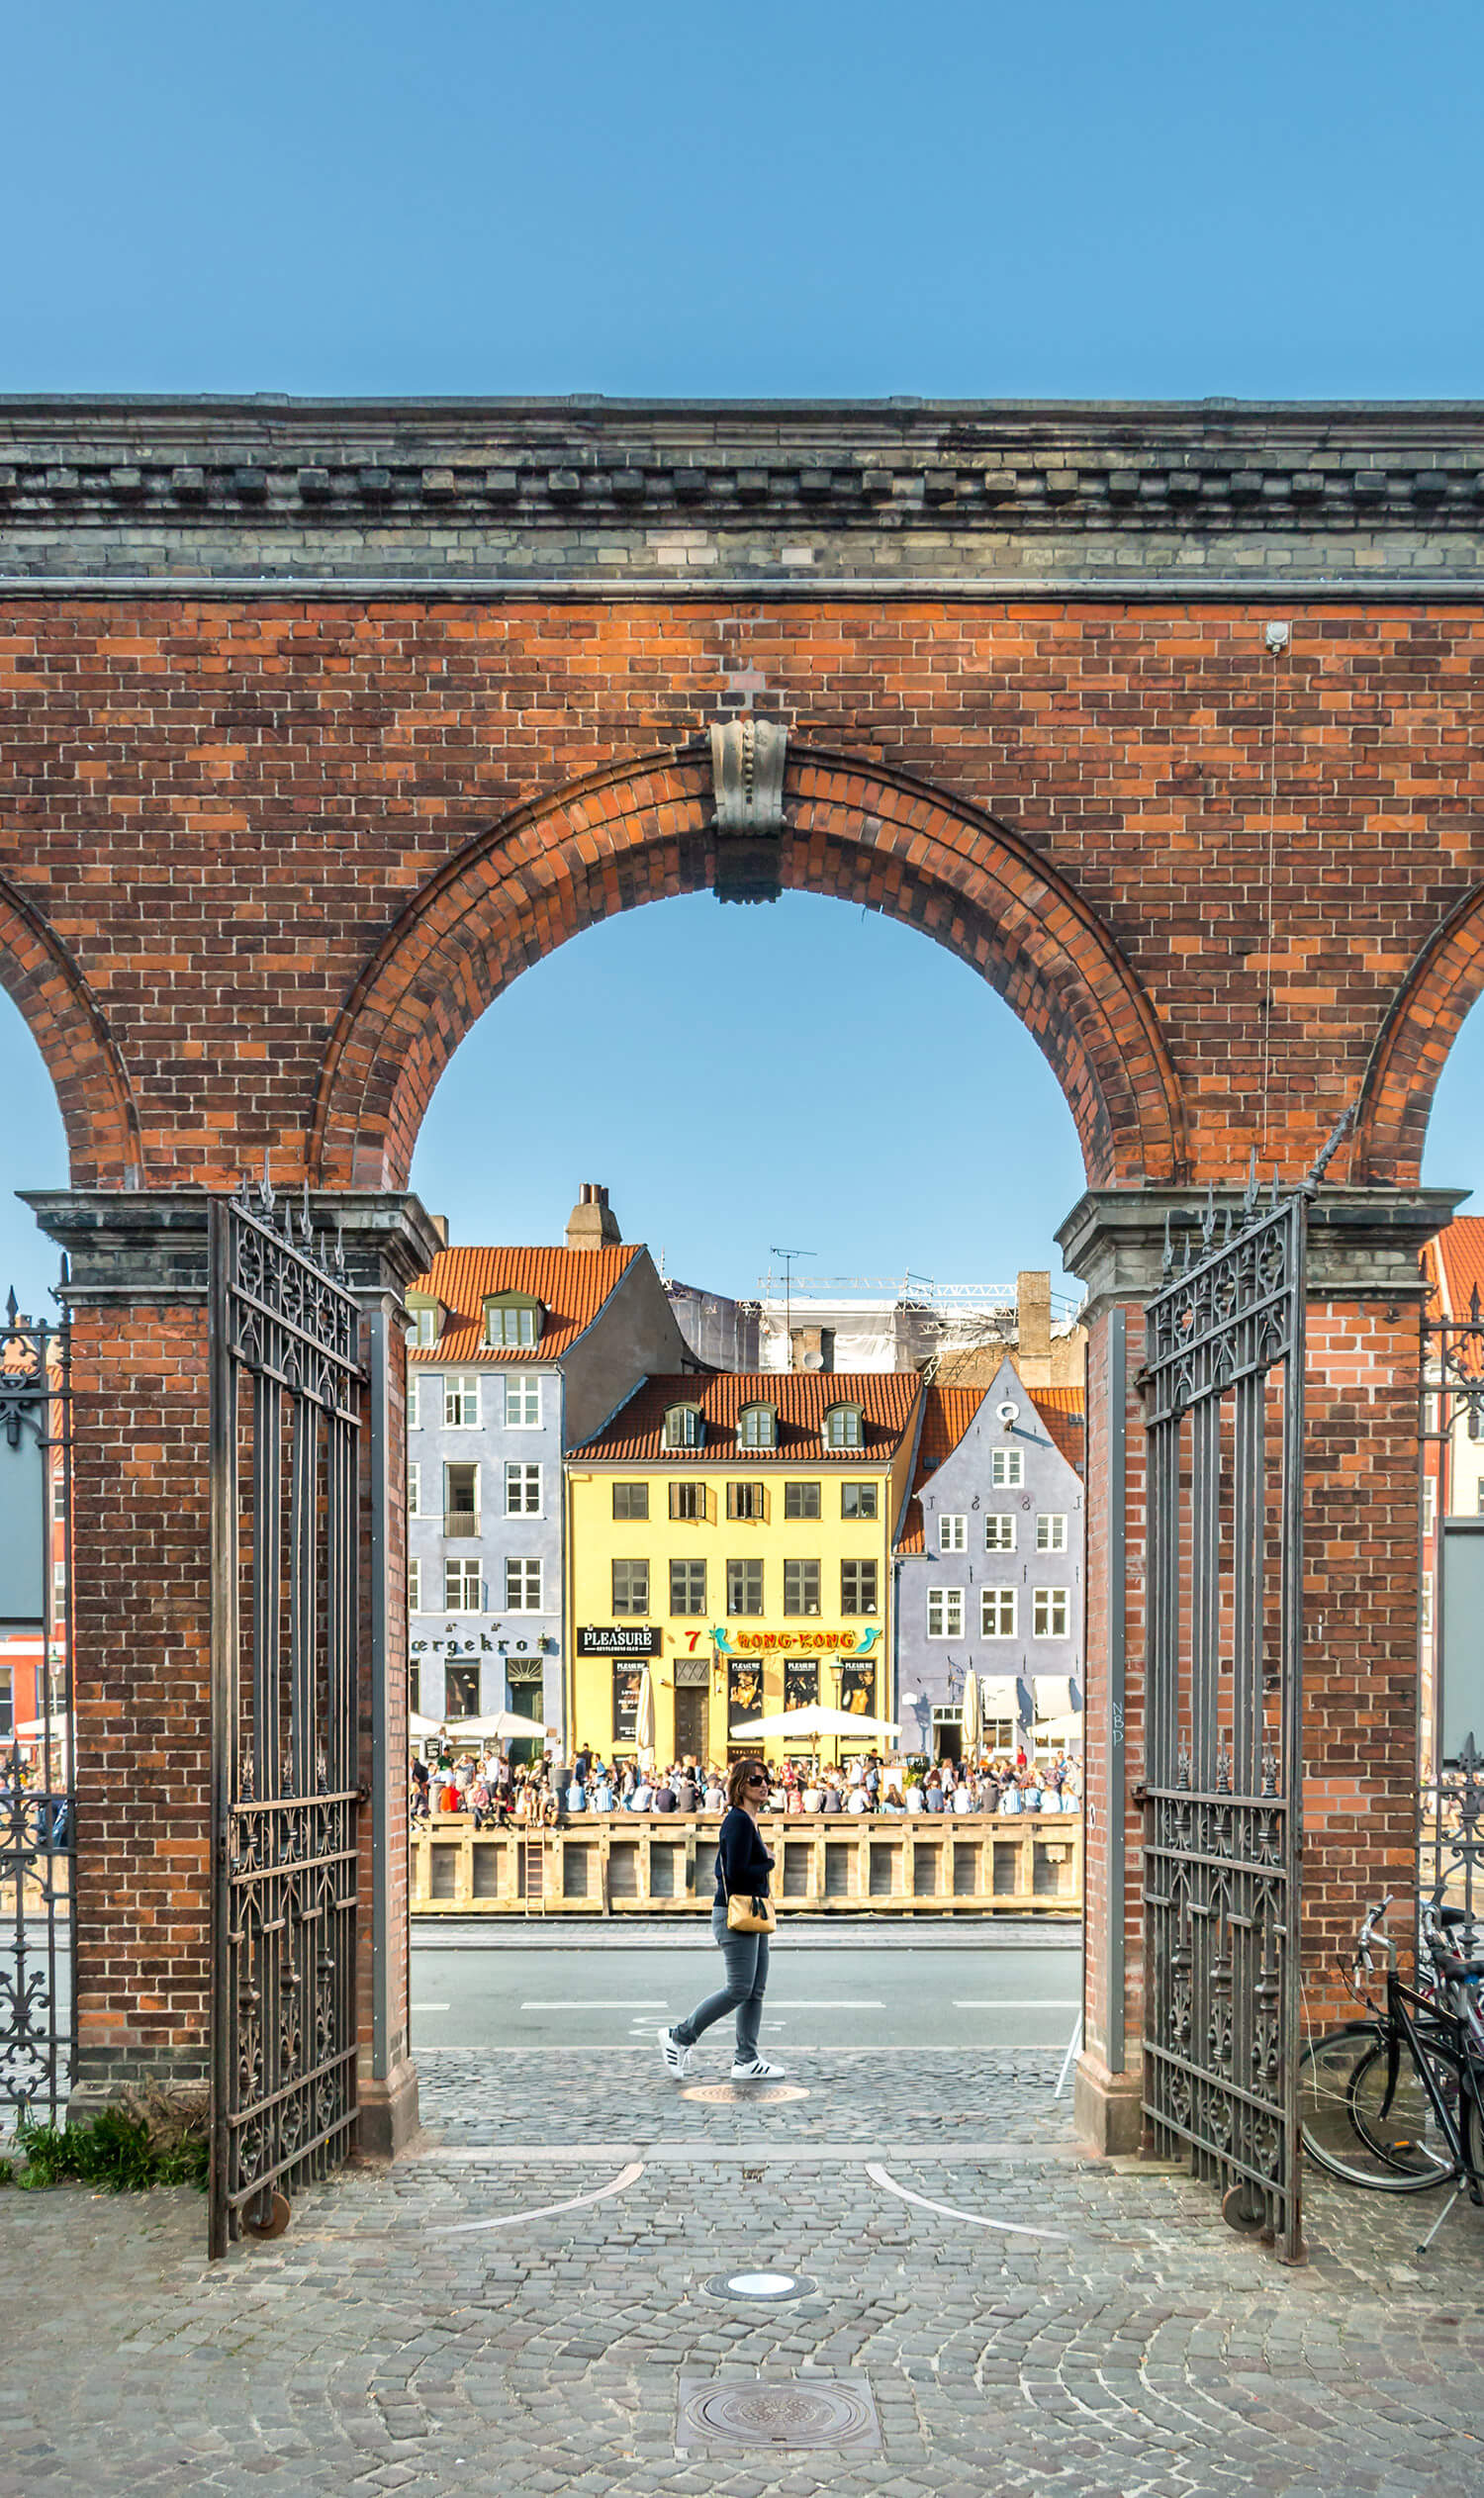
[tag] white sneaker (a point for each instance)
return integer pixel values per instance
(677, 2058)
(759, 2070)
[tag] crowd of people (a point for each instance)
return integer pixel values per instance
(496, 1793)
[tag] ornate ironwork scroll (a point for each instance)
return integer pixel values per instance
(1224, 1383)
(285, 1423)
(37, 1824)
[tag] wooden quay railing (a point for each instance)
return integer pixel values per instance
(660, 1865)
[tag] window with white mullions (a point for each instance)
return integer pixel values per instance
(461, 1400)
(522, 1404)
(523, 1491)
(953, 1532)
(999, 1533)
(522, 1587)
(461, 1586)
(1051, 1532)
(998, 1609)
(1051, 1611)
(1007, 1468)
(944, 1612)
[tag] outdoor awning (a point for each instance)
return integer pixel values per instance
(1056, 1694)
(1004, 1696)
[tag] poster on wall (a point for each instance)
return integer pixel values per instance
(800, 1681)
(858, 1690)
(744, 1693)
(626, 1681)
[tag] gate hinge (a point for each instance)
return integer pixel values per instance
(1139, 1796)
(363, 1793)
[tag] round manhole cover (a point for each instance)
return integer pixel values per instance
(743, 2093)
(792, 2414)
(770, 2288)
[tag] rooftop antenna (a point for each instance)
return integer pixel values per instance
(789, 1258)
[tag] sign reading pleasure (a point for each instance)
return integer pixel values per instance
(618, 1640)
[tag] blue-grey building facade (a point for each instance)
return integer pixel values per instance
(990, 1564)
(514, 1354)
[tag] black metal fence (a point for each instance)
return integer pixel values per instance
(286, 1395)
(38, 1809)
(1224, 1384)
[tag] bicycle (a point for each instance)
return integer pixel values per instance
(1395, 2102)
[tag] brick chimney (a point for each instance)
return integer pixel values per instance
(1033, 1315)
(593, 1224)
(811, 1349)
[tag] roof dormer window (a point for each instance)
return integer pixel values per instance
(756, 1427)
(842, 1426)
(513, 1321)
(683, 1427)
(422, 1321)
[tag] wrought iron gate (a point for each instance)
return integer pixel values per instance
(1224, 1383)
(285, 1387)
(38, 1827)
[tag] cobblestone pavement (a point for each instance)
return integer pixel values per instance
(1148, 2352)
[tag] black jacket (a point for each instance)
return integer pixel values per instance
(741, 1858)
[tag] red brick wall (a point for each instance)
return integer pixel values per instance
(142, 1678)
(222, 807)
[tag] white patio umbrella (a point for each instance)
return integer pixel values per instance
(972, 1728)
(1067, 1729)
(419, 1728)
(817, 1721)
(644, 1721)
(502, 1722)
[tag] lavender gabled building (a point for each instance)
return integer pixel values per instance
(990, 1564)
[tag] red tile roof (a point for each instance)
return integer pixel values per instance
(635, 1436)
(1454, 1264)
(571, 1286)
(946, 1416)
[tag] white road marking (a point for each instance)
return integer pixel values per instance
(1017, 2004)
(824, 2003)
(544, 2211)
(979, 2220)
(430, 2007)
(594, 2004)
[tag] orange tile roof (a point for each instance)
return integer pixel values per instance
(1454, 1264)
(946, 1416)
(635, 1436)
(571, 1286)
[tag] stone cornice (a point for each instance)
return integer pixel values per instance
(263, 493)
(1363, 1242)
(125, 1246)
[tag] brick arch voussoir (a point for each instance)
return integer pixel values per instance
(641, 832)
(1412, 1049)
(100, 1117)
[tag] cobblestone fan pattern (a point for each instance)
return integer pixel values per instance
(1152, 2354)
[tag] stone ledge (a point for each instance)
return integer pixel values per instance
(1363, 1242)
(125, 1247)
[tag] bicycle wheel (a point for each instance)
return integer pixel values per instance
(1332, 2116)
(1402, 2129)
(1328, 2114)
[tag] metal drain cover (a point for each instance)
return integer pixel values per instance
(743, 2093)
(771, 2288)
(778, 2414)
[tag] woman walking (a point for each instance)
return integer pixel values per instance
(743, 1868)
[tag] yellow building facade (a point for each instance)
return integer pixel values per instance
(734, 1535)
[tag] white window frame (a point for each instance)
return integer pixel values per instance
(414, 1386)
(413, 1584)
(1008, 1468)
(522, 1403)
(952, 1530)
(458, 1578)
(758, 1426)
(518, 1596)
(946, 1604)
(1000, 1531)
(521, 1479)
(414, 1488)
(1000, 1600)
(1429, 1504)
(458, 1388)
(1046, 1602)
(1051, 1530)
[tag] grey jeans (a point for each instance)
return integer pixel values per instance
(746, 1960)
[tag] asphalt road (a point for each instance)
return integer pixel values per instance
(821, 1994)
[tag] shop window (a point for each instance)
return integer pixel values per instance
(460, 1692)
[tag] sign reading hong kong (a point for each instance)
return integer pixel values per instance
(794, 1640)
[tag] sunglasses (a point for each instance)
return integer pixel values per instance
(757, 1782)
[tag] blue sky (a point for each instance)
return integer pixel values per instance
(813, 199)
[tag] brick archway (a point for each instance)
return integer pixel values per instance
(93, 1091)
(1413, 1045)
(640, 832)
